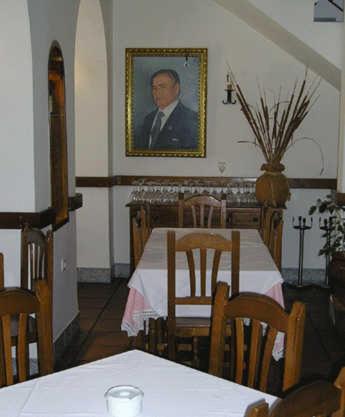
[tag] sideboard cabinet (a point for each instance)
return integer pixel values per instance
(269, 221)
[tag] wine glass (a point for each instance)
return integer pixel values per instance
(221, 166)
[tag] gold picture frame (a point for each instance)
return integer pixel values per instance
(169, 84)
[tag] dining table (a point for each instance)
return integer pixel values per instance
(148, 296)
(169, 390)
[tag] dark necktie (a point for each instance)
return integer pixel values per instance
(156, 129)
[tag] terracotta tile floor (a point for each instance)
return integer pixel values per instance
(102, 306)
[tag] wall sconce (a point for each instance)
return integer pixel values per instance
(229, 91)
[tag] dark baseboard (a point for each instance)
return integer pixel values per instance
(66, 338)
(121, 270)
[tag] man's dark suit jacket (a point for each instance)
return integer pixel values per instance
(180, 131)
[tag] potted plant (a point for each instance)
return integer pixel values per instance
(334, 249)
(273, 124)
(335, 225)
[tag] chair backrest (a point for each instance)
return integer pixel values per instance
(320, 398)
(36, 257)
(18, 302)
(140, 233)
(255, 363)
(203, 243)
(202, 207)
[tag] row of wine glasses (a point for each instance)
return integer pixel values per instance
(159, 192)
(153, 192)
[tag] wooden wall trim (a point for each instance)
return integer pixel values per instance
(16, 220)
(40, 219)
(95, 182)
(313, 183)
(127, 180)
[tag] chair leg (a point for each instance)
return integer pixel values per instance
(161, 336)
(195, 348)
(152, 342)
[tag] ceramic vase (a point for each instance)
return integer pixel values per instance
(272, 187)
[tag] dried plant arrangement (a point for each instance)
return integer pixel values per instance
(274, 124)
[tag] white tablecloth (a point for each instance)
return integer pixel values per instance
(258, 273)
(170, 390)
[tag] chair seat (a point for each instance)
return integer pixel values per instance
(32, 330)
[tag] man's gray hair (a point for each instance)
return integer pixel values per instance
(170, 72)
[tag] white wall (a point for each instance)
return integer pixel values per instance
(93, 249)
(16, 107)
(297, 17)
(91, 110)
(202, 23)
(50, 21)
(16, 127)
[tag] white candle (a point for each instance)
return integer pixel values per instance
(124, 401)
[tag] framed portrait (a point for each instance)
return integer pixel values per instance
(166, 102)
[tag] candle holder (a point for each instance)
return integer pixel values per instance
(327, 225)
(229, 92)
(301, 225)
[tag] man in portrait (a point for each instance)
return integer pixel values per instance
(171, 125)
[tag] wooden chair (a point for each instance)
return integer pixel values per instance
(18, 302)
(140, 234)
(320, 398)
(255, 362)
(36, 265)
(202, 207)
(153, 339)
(194, 327)
(36, 257)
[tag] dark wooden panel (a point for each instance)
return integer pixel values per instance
(95, 182)
(75, 202)
(16, 220)
(163, 216)
(244, 218)
(314, 183)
